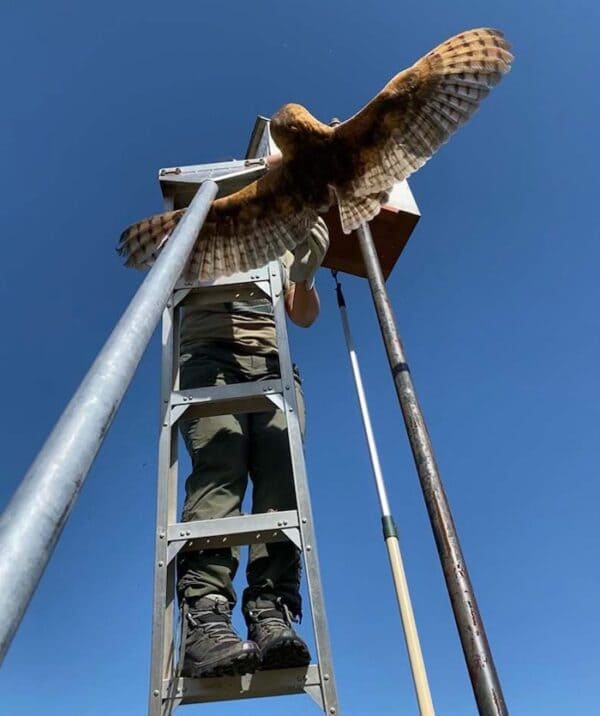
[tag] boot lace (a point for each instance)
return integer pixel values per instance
(214, 622)
(272, 619)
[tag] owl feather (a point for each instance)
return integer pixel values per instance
(355, 163)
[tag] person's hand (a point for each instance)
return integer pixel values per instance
(272, 161)
(309, 255)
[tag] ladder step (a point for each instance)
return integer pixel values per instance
(278, 682)
(242, 529)
(232, 283)
(252, 397)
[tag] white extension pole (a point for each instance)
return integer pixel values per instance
(390, 532)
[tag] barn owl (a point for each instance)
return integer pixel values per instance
(354, 164)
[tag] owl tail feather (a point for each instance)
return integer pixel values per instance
(141, 242)
(355, 210)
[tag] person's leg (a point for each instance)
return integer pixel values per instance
(218, 449)
(215, 488)
(273, 567)
(272, 599)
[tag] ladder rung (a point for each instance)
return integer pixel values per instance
(251, 397)
(279, 682)
(247, 292)
(242, 529)
(238, 287)
(236, 279)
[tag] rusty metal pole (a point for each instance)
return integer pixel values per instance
(480, 663)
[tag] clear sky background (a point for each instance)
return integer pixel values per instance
(496, 297)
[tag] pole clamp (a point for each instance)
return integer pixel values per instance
(389, 527)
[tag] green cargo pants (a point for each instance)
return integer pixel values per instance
(225, 450)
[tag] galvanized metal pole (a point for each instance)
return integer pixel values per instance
(390, 532)
(480, 663)
(33, 520)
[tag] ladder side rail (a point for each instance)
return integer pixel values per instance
(162, 659)
(33, 520)
(328, 690)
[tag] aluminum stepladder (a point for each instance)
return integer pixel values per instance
(167, 689)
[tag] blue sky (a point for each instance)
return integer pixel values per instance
(496, 297)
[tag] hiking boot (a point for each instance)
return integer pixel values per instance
(270, 627)
(212, 648)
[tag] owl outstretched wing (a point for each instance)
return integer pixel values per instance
(242, 231)
(415, 113)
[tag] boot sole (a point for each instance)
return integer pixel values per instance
(286, 655)
(246, 663)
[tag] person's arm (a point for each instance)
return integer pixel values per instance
(301, 298)
(302, 304)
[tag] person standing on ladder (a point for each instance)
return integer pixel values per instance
(233, 343)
